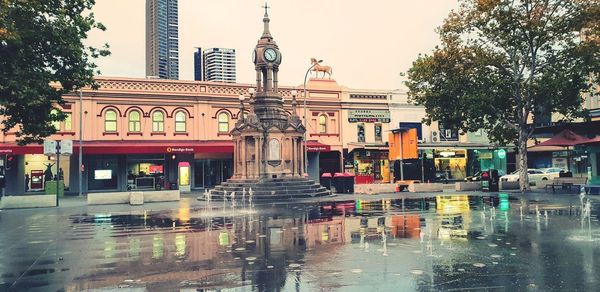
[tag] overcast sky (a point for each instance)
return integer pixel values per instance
(368, 43)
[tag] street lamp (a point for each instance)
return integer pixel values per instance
(305, 124)
(241, 98)
(80, 170)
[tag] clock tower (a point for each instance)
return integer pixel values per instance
(267, 58)
(268, 140)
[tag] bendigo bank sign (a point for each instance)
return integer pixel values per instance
(180, 150)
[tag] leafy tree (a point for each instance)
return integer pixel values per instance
(504, 65)
(42, 57)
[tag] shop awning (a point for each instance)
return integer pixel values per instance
(14, 149)
(130, 147)
(316, 146)
(566, 138)
(457, 145)
(592, 141)
(545, 149)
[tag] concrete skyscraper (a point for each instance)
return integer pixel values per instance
(215, 64)
(162, 39)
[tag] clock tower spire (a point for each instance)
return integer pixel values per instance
(267, 58)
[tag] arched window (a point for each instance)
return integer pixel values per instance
(110, 121)
(274, 150)
(322, 124)
(158, 121)
(68, 122)
(135, 124)
(180, 125)
(55, 124)
(223, 119)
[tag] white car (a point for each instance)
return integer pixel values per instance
(535, 175)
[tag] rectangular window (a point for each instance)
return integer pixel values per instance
(378, 136)
(110, 126)
(68, 122)
(180, 126)
(157, 127)
(134, 126)
(361, 132)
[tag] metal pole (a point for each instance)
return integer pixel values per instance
(4, 161)
(422, 168)
(305, 124)
(57, 169)
(80, 141)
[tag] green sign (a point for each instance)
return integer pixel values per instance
(369, 116)
(501, 153)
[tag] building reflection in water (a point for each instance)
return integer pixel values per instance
(241, 248)
(277, 247)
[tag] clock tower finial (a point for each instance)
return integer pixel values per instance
(266, 7)
(266, 33)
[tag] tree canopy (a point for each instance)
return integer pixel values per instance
(42, 57)
(505, 65)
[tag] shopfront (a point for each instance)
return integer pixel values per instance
(450, 164)
(121, 166)
(145, 171)
(370, 165)
(320, 159)
(102, 172)
(490, 159)
(40, 168)
(211, 170)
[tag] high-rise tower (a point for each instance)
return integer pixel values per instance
(162, 39)
(215, 64)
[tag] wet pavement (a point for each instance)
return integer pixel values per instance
(447, 242)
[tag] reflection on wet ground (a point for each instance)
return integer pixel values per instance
(428, 244)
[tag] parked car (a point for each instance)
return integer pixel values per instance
(477, 175)
(535, 175)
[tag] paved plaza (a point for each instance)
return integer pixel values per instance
(395, 242)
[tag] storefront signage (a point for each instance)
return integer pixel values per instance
(501, 153)
(6, 151)
(180, 150)
(49, 147)
(66, 147)
(103, 174)
(318, 148)
(485, 155)
(369, 116)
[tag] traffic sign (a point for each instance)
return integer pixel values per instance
(49, 147)
(66, 147)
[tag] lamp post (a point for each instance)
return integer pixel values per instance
(305, 124)
(80, 141)
(241, 98)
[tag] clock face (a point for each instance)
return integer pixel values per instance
(253, 56)
(270, 55)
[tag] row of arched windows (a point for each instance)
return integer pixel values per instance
(158, 121)
(135, 121)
